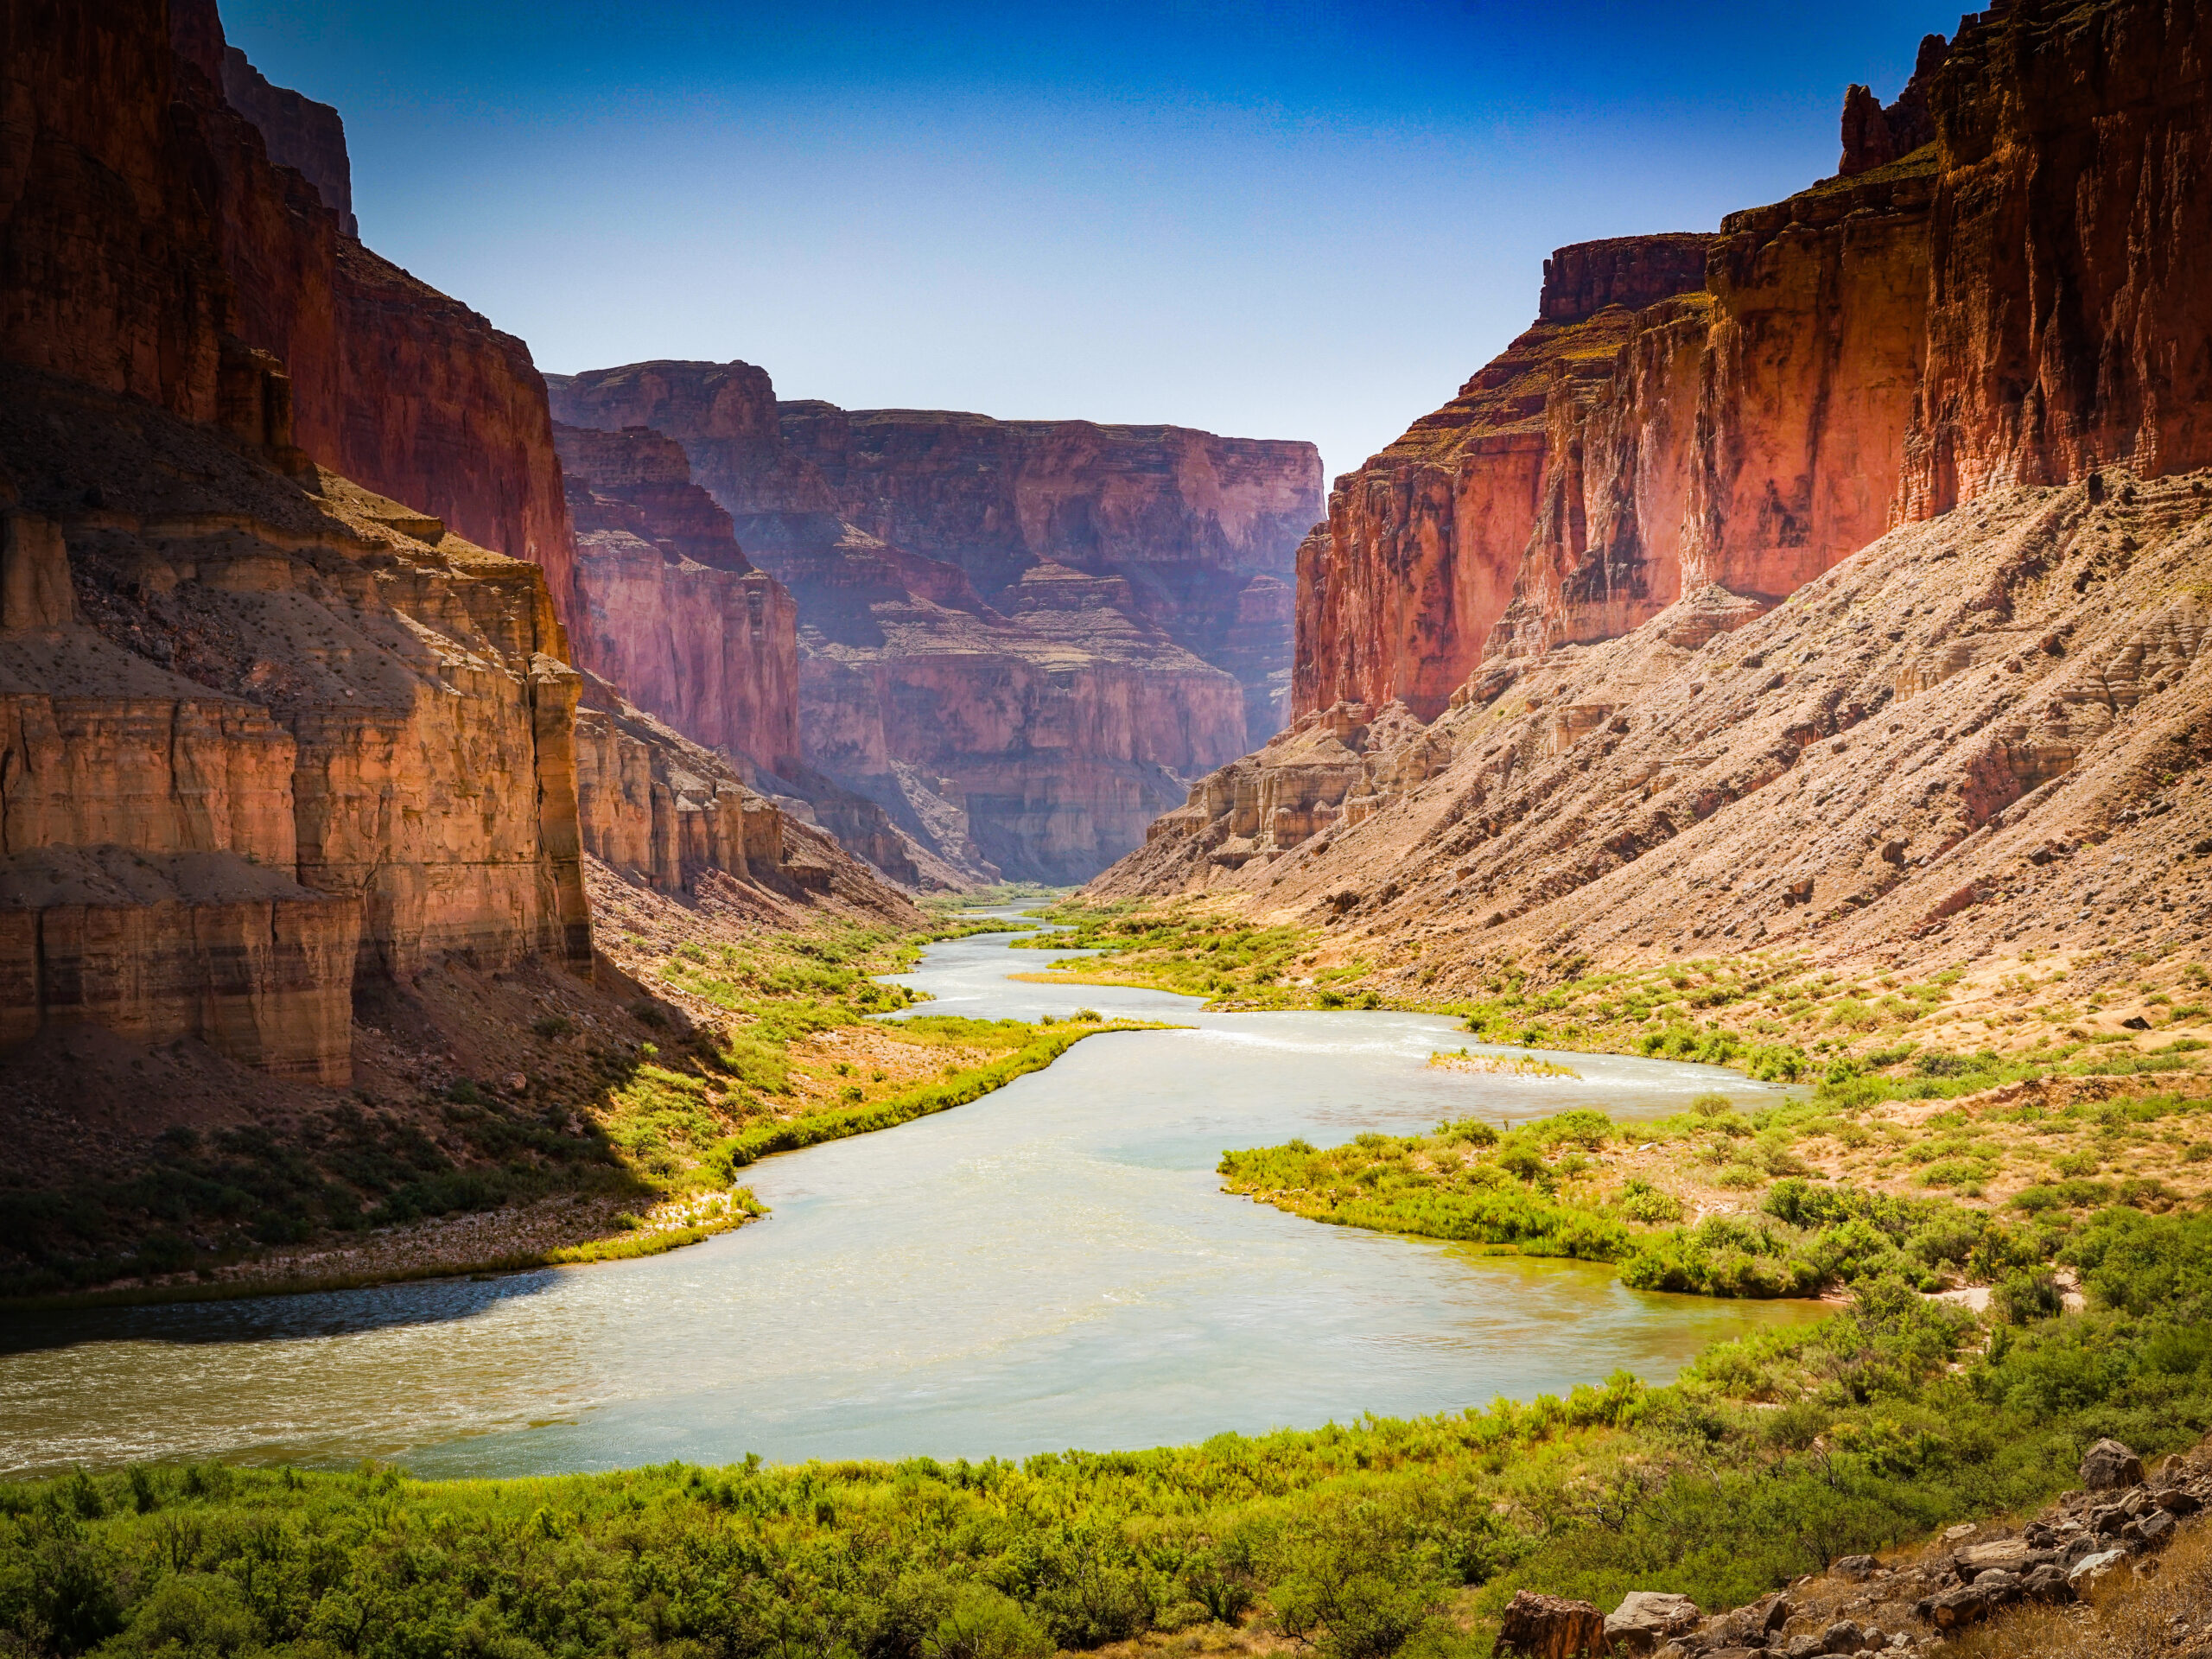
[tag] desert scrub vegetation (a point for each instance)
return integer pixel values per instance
(1795, 1196)
(1196, 951)
(1769, 1457)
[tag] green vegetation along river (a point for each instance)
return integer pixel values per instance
(1052, 1265)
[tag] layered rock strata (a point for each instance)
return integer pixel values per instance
(1986, 732)
(1193, 523)
(1031, 736)
(1992, 292)
(271, 739)
(676, 615)
(259, 740)
(1943, 355)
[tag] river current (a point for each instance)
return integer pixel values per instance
(1052, 1266)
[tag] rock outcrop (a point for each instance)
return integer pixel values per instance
(260, 738)
(1399, 589)
(1701, 712)
(394, 384)
(1033, 735)
(1992, 292)
(676, 615)
(270, 740)
(1193, 523)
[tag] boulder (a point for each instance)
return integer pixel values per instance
(2091, 1568)
(1551, 1627)
(2012, 1554)
(2046, 1583)
(1645, 1618)
(2108, 1466)
(2155, 1529)
(1856, 1569)
(2175, 1501)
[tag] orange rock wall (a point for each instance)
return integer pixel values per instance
(1999, 289)
(2069, 324)
(676, 614)
(394, 384)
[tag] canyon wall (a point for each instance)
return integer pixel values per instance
(1419, 557)
(260, 739)
(270, 738)
(395, 385)
(1032, 733)
(1916, 445)
(674, 612)
(1188, 520)
(1995, 290)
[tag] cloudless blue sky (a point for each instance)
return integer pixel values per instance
(1271, 218)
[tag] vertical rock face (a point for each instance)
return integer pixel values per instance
(262, 733)
(394, 383)
(2069, 326)
(305, 136)
(1032, 733)
(107, 272)
(677, 616)
(1424, 544)
(266, 734)
(1188, 519)
(1996, 289)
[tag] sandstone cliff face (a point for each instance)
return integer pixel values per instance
(394, 383)
(1992, 292)
(1398, 591)
(2067, 327)
(678, 616)
(267, 739)
(1190, 520)
(1031, 736)
(301, 134)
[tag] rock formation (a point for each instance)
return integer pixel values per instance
(676, 614)
(1669, 697)
(224, 738)
(1193, 523)
(270, 738)
(1032, 734)
(1399, 589)
(395, 385)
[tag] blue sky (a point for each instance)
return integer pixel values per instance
(1298, 218)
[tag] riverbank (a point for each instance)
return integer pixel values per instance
(1771, 1458)
(1792, 1197)
(540, 1121)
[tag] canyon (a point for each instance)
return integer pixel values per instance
(1018, 638)
(291, 730)
(1829, 585)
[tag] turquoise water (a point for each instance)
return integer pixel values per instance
(1052, 1266)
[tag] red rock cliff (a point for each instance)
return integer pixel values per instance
(676, 614)
(393, 384)
(2069, 324)
(1188, 519)
(1398, 590)
(1032, 737)
(1997, 289)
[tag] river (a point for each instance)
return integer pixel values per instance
(1052, 1265)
